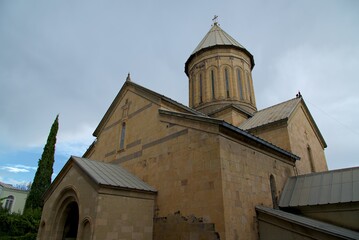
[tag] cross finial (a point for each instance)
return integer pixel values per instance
(214, 19)
(128, 77)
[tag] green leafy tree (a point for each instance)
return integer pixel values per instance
(42, 179)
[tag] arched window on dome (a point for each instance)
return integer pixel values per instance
(193, 89)
(226, 78)
(212, 83)
(200, 88)
(240, 86)
(249, 87)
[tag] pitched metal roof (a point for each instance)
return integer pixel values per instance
(232, 128)
(111, 175)
(271, 114)
(216, 36)
(341, 233)
(337, 186)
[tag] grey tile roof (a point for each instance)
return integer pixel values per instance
(271, 114)
(336, 186)
(216, 36)
(111, 175)
(341, 233)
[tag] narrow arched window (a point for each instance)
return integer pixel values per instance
(240, 87)
(9, 202)
(200, 88)
(273, 188)
(212, 81)
(249, 87)
(310, 158)
(123, 134)
(193, 90)
(226, 77)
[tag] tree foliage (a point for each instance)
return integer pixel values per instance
(42, 179)
(17, 226)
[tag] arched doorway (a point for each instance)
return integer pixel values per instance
(71, 214)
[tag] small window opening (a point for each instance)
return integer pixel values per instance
(200, 88)
(227, 81)
(123, 134)
(240, 87)
(212, 79)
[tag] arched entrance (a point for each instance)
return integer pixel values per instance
(71, 214)
(65, 220)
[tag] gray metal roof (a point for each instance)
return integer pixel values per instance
(111, 175)
(340, 232)
(216, 36)
(271, 114)
(337, 186)
(232, 128)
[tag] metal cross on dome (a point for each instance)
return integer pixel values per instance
(215, 21)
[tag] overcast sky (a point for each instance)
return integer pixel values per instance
(72, 57)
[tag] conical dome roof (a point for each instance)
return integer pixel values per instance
(216, 37)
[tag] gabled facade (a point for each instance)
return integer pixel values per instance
(95, 200)
(290, 126)
(208, 165)
(199, 165)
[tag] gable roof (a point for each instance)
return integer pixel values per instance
(110, 175)
(336, 186)
(148, 91)
(102, 174)
(227, 128)
(280, 112)
(271, 114)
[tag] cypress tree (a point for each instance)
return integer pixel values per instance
(42, 179)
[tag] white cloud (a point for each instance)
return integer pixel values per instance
(74, 143)
(15, 169)
(18, 168)
(14, 182)
(25, 167)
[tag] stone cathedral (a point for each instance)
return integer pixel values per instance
(218, 169)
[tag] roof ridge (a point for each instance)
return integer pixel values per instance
(127, 179)
(265, 142)
(325, 172)
(169, 99)
(275, 105)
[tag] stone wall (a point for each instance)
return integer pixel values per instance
(246, 175)
(302, 136)
(104, 214)
(177, 227)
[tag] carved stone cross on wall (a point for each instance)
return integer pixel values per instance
(125, 108)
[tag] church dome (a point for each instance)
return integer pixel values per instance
(220, 74)
(217, 37)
